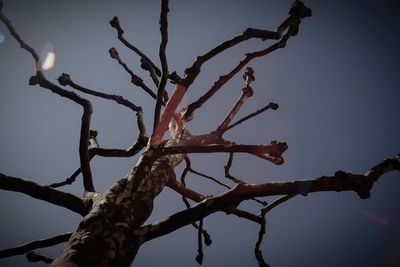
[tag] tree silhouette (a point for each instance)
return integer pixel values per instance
(112, 228)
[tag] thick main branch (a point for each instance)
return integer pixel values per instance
(45, 193)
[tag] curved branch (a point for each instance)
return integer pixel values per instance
(193, 71)
(226, 202)
(163, 59)
(41, 243)
(45, 193)
(41, 80)
(291, 24)
(116, 25)
(64, 79)
(136, 80)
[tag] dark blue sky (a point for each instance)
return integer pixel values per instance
(336, 84)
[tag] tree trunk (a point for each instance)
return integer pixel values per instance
(106, 236)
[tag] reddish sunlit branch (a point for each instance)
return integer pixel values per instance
(169, 111)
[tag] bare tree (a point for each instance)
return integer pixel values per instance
(112, 227)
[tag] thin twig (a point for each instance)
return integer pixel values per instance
(261, 233)
(65, 79)
(271, 105)
(291, 24)
(200, 255)
(207, 237)
(193, 71)
(136, 80)
(116, 24)
(227, 168)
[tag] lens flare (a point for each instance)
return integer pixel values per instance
(376, 218)
(48, 57)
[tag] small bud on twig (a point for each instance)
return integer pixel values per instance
(113, 53)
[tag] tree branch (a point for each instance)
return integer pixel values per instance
(226, 202)
(65, 79)
(163, 59)
(41, 243)
(136, 80)
(291, 24)
(45, 193)
(192, 72)
(261, 233)
(271, 105)
(274, 149)
(116, 25)
(41, 80)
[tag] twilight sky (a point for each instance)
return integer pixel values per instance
(336, 84)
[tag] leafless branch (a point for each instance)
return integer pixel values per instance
(261, 233)
(41, 243)
(226, 202)
(227, 170)
(40, 79)
(271, 105)
(200, 254)
(163, 59)
(246, 93)
(45, 193)
(65, 79)
(275, 149)
(136, 80)
(197, 197)
(116, 25)
(291, 25)
(192, 72)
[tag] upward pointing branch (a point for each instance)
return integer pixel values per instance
(163, 59)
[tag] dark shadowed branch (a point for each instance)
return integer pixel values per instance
(271, 105)
(163, 59)
(261, 233)
(116, 25)
(45, 193)
(41, 243)
(65, 79)
(341, 181)
(40, 79)
(290, 25)
(136, 80)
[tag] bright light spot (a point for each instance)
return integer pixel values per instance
(48, 57)
(2, 38)
(376, 218)
(49, 61)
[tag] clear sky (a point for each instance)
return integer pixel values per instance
(336, 84)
